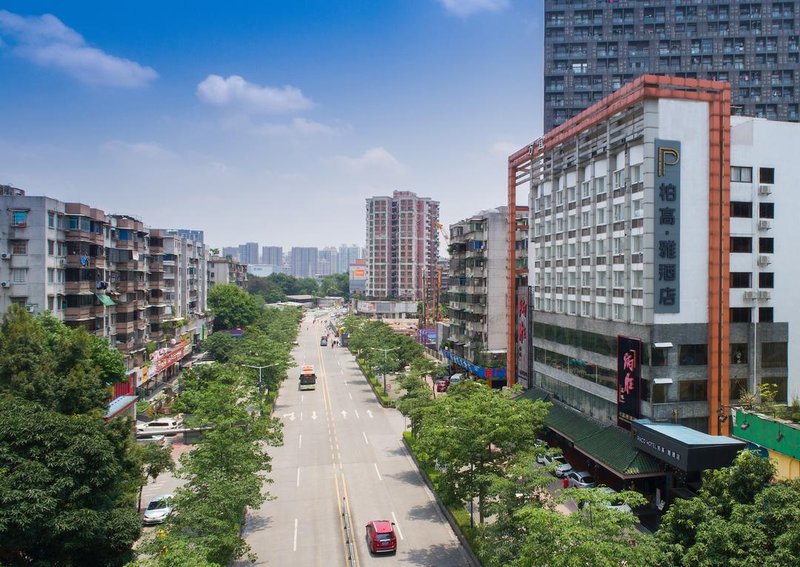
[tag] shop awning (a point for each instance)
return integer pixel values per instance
(104, 299)
(605, 443)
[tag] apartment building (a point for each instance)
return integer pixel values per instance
(303, 261)
(272, 256)
(477, 302)
(348, 254)
(109, 274)
(593, 47)
(660, 256)
(248, 253)
(328, 261)
(402, 246)
(226, 270)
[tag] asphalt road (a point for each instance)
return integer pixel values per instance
(342, 452)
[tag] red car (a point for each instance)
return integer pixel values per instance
(380, 536)
(441, 385)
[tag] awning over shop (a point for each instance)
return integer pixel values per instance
(119, 405)
(605, 443)
(685, 448)
(104, 299)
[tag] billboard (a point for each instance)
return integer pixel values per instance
(667, 227)
(522, 331)
(629, 374)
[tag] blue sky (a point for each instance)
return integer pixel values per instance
(267, 121)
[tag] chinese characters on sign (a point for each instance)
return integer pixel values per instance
(629, 372)
(667, 227)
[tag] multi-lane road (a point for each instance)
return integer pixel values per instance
(342, 453)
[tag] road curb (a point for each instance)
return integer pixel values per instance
(445, 512)
(371, 385)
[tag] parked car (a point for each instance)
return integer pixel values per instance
(158, 510)
(456, 379)
(580, 479)
(562, 467)
(615, 501)
(163, 426)
(441, 385)
(380, 536)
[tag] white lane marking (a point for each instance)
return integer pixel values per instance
(294, 548)
(298, 476)
(357, 416)
(365, 437)
(301, 416)
(299, 441)
(369, 413)
(377, 472)
(351, 395)
(302, 396)
(397, 526)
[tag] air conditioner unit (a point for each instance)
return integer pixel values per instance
(30, 308)
(763, 295)
(5, 284)
(764, 189)
(62, 261)
(763, 260)
(5, 256)
(750, 294)
(764, 225)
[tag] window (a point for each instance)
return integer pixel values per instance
(619, 279)
(601, 215)
(773, 355)
(739, 353)
(738, 387)
(636, 173)
(766, 210)
(741, 314)
(741, 244)
(586, 248)
(692, 355)
(638, 313)
(586, 308)
(742, 174)
(586, 219)
(741, 209)
(586, 189)
(601, 311)
(741, 279)
(619, 312)
(601, 247)
(600, 185)
(18, 275)
(766, 280)
(572, 308)
(19, 218)
(619, 178)
(658, 357)
(766, 175)
(638, 278)
(693, 391)
(51, 219)
(765, 315)
(51, 273)
(51, 247)
(619, 214)
(602, 279)
(659, 394)
(19, 247)
(766, 245)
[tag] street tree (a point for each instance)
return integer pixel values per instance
(155, 459)
(415, 400)
(66, 485)
(232, 306)
(471, 435)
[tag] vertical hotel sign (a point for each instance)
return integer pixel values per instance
(629, 373)
(522, 329)
(667, 227)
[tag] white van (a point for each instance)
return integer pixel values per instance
(162, 425)
(456, 379)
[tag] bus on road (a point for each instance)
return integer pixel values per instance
(308, 379)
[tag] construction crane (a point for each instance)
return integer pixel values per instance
(444, 233)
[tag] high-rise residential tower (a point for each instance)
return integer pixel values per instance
(272, 256)
(402, 246)
(248, 253)
(593, 47)
(303, 261)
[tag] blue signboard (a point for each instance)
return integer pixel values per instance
(667, 227)
(479, 371)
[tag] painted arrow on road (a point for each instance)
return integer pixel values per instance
(289, 415)
(313, 415)
(369, 413)
(344, 414)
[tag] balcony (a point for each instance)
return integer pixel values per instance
(85, 261)
(79, 287)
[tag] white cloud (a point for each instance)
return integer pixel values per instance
(46, 41)
(465, 8)
(371, 160)
(236, 92)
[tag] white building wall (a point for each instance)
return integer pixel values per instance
(687, 122)
(760, 143)
(496, 256)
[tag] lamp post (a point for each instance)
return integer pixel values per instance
(385, 352)
(260, 368)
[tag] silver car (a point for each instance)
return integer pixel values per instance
(158, 510)
(581, 479)
(561, 466)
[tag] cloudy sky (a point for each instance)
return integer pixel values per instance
(267, 121)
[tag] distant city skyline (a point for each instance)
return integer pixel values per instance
(262, 124)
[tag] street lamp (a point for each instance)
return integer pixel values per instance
(385, 351)
(260, 368)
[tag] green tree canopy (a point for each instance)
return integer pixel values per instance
(65, 481)
(67, 370)
(232, 306)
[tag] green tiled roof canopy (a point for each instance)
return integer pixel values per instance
(604, 442)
